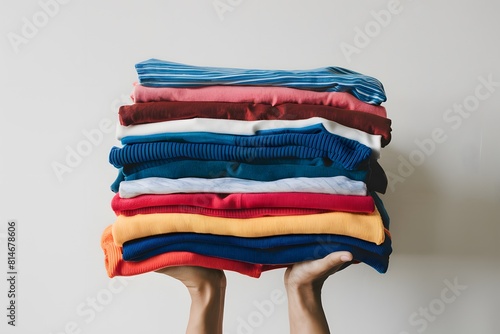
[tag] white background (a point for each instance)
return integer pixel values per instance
(78, 68)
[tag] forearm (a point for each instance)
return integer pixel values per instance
(207, 307)
(306, 314)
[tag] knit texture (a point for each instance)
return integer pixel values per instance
(241, 201)
(116, 266)
(348, 153)
(368, 227)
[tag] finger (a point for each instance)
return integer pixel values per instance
(331, 262)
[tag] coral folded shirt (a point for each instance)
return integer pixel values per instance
(116, 266)
(254, 94)
(153, 112)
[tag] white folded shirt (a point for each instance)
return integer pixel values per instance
(339, 185)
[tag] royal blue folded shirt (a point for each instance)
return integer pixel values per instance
(211, 146)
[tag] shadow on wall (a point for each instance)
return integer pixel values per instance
(427, 218)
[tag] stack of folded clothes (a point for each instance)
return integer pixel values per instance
(248, 170)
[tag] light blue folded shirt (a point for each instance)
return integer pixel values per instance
(161, 73)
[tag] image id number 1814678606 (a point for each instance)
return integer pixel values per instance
(12, 272)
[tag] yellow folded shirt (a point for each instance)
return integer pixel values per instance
(367, 227)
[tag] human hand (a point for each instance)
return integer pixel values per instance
(314, 273)
(303, 283)
(196, 278)
(207, 289)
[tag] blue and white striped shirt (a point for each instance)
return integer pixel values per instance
(160, 73)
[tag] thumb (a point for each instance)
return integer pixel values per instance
(337, 258)
(331, 261)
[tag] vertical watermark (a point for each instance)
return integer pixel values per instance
(12, 272)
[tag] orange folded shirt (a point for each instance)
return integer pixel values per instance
(116, 266)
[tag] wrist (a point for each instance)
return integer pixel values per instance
(203, 281)
(305, 309)
(306, 296)
(207, 304)
(206, 291)
(304, 286)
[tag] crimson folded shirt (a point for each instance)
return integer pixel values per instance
(242, 204)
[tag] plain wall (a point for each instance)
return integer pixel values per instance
(70, 74)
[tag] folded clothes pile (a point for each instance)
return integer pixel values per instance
(248, 170)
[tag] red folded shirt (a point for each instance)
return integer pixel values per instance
(242, 205)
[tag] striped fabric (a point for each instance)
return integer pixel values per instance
(161, 73)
